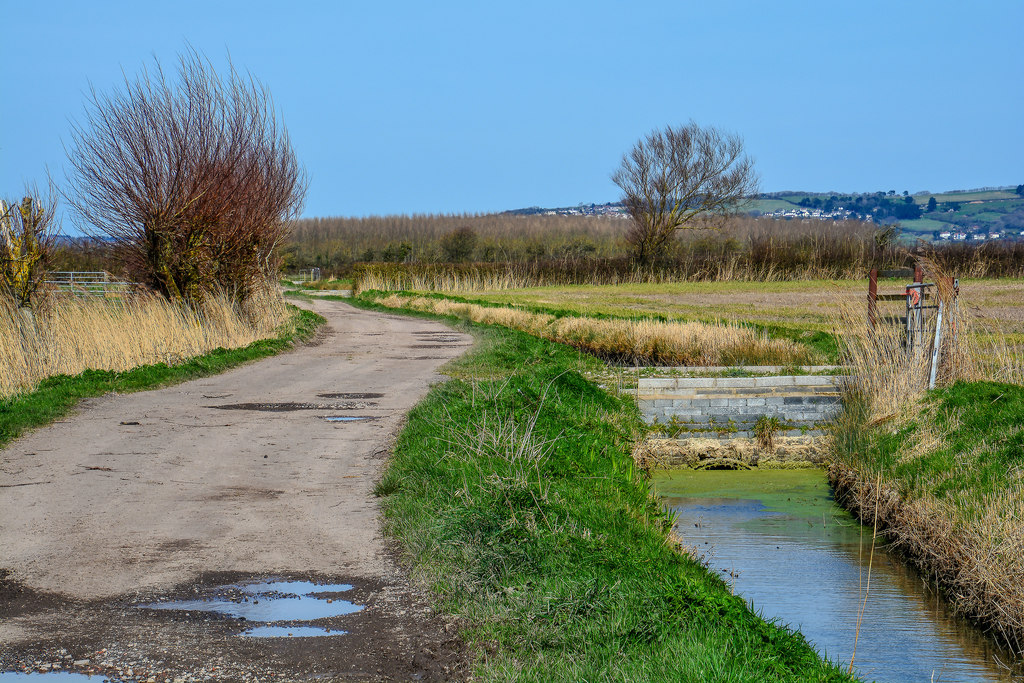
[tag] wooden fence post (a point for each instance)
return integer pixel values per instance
(873, 297)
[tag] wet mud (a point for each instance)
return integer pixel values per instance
(233, 627)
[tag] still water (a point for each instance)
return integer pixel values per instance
(779, 539)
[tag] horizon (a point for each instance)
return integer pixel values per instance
(399, 109)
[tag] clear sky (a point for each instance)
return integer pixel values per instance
(419, 107)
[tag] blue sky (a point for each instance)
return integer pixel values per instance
(416, 107)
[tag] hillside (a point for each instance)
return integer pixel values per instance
(960, 215)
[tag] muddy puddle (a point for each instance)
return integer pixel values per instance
(780, 541)
(352, 395)
(294, 406)
(348, 418)
(279, 609)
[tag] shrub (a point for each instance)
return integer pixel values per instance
(26, 244)
(195, 182)
(458, 245)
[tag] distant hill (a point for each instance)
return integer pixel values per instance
(990, 213)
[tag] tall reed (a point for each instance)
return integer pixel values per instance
(68, 335)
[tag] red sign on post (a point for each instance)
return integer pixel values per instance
(913, 297)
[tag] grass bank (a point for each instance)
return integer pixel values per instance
(946, 485)
(644, 341)
(55, 396)
(515, 499)
(942, 470)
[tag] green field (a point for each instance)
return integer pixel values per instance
(926, 225)
(986, 196)
(800, 305)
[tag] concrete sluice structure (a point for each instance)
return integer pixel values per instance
(711, 421)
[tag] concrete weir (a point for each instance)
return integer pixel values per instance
(710, 421)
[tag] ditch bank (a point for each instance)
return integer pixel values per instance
(944, 481)
(934, 545)
(514, 497)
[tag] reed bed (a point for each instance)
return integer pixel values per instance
(940, 470)
(645, 341)
(592, 249)
(68, 335)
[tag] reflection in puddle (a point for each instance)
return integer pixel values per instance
(271, 602)
(292, 407)
(290, 632)
(348, 418)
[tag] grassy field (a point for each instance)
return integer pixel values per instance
(808, 305)
(514, 497)
(925, 224)
(55, 396)
(984, 196)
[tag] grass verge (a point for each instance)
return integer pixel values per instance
(515, 498)
(55, 396)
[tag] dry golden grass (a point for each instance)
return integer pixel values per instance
(393, 280)
(893, 380)
(68, 335)
(642, 341)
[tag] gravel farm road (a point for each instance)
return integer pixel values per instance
(197, 490)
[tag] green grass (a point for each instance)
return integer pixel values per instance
(989, 195)
(56, 396)
(980, 452)
(326, 285)
(514, 496)
(926, 224)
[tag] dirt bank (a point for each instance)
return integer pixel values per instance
(229, 478)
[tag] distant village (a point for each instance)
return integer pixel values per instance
(952, 234)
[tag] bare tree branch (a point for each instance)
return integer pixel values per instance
(195, 181)
(678, 178)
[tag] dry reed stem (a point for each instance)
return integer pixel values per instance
(647, 341)
(971, 542)
(979, 564)
(70, 335)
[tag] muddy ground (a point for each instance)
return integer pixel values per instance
(194, 490)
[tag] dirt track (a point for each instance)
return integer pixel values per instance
(227, 479)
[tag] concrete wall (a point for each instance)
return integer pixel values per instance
(728, 407)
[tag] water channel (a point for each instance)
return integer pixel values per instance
(779, 539)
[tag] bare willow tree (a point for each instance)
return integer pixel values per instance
(679, 177)
(194, 181)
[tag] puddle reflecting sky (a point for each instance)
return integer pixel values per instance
(271, 602)
(802, 560)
